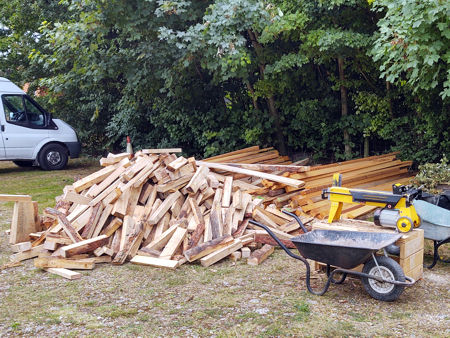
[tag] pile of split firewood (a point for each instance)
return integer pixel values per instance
(161, 210)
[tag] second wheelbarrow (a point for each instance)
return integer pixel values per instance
(382, 277)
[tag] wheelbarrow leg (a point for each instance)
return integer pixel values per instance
(436, 258)
(338, 281)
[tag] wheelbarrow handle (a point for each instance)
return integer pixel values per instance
(299, 221)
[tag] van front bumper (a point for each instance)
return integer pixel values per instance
(74, 149)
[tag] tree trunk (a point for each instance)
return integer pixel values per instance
(270, 99)
(366, 146)
(344, 108)
(278, 130)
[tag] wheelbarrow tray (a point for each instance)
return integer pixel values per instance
(435, 221)
(345, 249)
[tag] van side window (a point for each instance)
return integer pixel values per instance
(20, 110)
(14, 109)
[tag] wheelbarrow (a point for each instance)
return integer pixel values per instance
(382, 277)
(435, 221)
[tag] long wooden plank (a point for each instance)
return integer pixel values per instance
(93, 178)
(56, 262)
(275, 178)
(270, 167)
(73, 197)
(66, 273)
(156, 262)
(14, 198)
(162, 151)
(222, 253)
(110, 179)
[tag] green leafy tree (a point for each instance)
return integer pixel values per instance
(413, 44)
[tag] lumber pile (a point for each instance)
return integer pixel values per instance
(161, 210)
(156, 209)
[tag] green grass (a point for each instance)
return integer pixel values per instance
(224, 300)
(42, 185)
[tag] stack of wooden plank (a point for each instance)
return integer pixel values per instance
(155, 209)
(251, 155)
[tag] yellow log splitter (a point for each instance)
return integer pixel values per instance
(396, 209)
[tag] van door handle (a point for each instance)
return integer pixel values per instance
(2, 127)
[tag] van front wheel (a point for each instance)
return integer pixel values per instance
(53, 157)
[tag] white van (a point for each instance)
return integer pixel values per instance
(29, 135)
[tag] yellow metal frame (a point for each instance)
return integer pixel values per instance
(340, 195)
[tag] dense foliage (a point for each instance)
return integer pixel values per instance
(335, 79)
(433, 175)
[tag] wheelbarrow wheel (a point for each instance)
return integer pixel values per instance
(388, 269)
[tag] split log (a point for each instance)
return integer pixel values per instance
(93, 178)
(164, 207)
(266, 239)
(258, 256)
(177, 164)
(207, 247)
(25, 219)
(66, 225)
(174, 243)
(22, 246)
(21, 256)
(246, 252)
(227, 189)
(197, 179)
(85, 246)
(221, 253)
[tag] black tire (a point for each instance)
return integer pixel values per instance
(390, 269)
(23, 164)
(53, 156)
